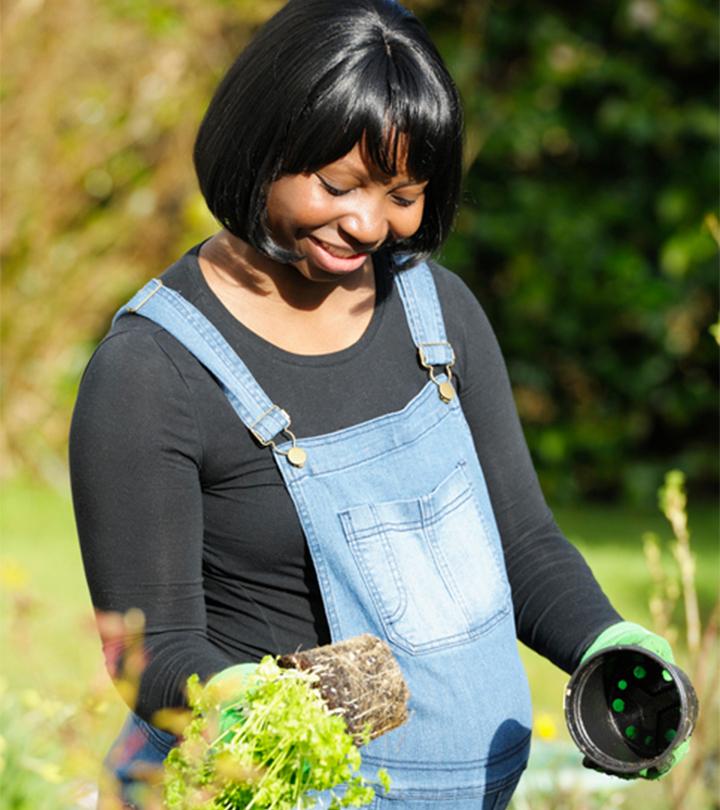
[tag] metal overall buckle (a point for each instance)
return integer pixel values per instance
(295, 455)
(445, 387)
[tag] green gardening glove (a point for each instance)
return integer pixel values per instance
(630, 633)
(231, 685)
(627, 633)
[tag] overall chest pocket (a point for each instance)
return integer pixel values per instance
(432, 568)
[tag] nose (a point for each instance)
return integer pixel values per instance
(365, 227)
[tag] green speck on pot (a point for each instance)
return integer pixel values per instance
(639, 672)
(622, 685)
(630, 732)
(618, 705)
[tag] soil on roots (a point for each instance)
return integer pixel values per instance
(361, 678)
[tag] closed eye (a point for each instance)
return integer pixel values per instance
(335, 192)
(403, 202)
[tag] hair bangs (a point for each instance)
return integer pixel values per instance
(401, 119)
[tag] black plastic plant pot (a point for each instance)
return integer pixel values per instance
(627, 710)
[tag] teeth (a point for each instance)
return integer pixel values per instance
(334, 251)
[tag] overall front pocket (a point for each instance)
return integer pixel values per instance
(431, 566)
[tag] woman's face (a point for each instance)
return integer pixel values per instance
(340, 214)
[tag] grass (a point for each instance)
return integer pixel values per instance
(44, 593)
(49, 634)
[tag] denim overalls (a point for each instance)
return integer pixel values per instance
(403, 538)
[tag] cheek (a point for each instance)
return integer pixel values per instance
(294, 207)
(297, 215)
(317, 207)
(409, 220)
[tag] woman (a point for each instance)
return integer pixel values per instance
(307, 430)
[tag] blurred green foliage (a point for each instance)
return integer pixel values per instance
(586, 229)
(31, 750)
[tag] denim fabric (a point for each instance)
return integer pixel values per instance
(497, 797)
(403, 538)
(170, 310)
(136, 758)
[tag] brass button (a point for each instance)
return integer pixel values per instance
(297, 456)
(447, 392)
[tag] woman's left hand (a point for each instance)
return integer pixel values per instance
(629, 633)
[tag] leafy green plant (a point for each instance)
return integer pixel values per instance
(32, 761)
(285, 745)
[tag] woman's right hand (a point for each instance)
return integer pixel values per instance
(230, 685)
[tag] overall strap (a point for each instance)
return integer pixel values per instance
(422, 308)
(189, 326)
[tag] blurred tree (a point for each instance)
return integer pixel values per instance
(101, 101)
(591, 164)
(592, 161)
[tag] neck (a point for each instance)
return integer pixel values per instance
(236, 268)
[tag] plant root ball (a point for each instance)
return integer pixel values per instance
(361, 678)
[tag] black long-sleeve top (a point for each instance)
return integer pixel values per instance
(180, 513)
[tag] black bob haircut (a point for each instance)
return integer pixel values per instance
(319, 77)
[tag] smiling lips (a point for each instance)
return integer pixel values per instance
(332, 259)
(339, 253)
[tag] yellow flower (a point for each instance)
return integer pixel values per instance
(545, 726)
(98, 706)
(12, 575)
(30, 698)
(52, 708)
(50, 772)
